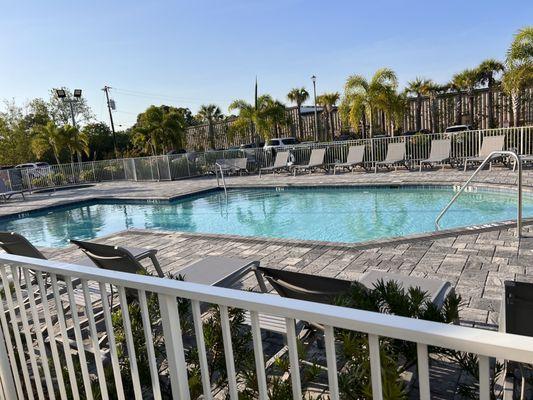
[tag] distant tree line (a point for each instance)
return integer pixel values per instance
(493, 94)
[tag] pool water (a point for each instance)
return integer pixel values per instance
(346, 215)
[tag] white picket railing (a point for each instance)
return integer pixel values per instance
(29, 363)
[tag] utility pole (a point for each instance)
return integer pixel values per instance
(106, 90)
(317, 136)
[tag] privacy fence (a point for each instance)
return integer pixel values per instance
(436, 113)
(172, 167)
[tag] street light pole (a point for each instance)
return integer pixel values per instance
(62, 94)
(313, 78)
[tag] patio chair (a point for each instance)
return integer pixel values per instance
(240, 165)
(316, 160)
(7, 193)
(116, 258)
(224, 165)
(490, 144)
(355, 157)
(280, 163)
(515, 317)
(439, 154)
(395, 156)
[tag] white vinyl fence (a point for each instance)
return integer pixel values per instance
(40, 340)
(179, 166)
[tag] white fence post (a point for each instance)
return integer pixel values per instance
(6, 378)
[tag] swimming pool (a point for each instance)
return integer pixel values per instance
(334, 214)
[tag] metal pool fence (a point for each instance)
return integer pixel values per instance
(170, 167)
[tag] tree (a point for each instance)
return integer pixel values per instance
(363, 97)
(160, 128)
(434, 90)
(519, 74)
(419, 87)
(48, 137)
(298, 96)
(394, 105)
(77, 142)
(328, 102)
(267, 117)
(209, 114)
(466, 80)
(100, 140)
(486, 72)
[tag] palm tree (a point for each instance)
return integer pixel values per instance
(466, 80)
(433, 91)
(328, 102)
(486, 71)
(362, 97)
(519, 74)
(418, 87)
(48, 137)
(76, 141)
(209, 114)
(394, 106)
(268, 116)
(298, 96)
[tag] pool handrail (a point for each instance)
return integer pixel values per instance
(482, 165)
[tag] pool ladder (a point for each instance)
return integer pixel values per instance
(218, 168)
(512, 154)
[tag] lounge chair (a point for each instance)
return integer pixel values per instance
(355, 157)
(316, 160)
(7, 193)
(490, 144)
(395, 156)
(440, 153)
(515, 318)
(280, 163)
(321, 289)
(124, 259)
(222, 164)
(240, 165)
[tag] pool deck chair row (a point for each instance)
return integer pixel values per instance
(280, 163)
(7, 193)
(440, 153)
(316, 160)
(395, 157)
(490, 144)
(356, 155)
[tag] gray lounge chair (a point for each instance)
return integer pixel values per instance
(7, 193)
(316, 160)
(119, 258)
(395, 156)
(355, 157)
(490, 144)
(515, 318)
(439, 154)
(280, 163)
(325, 290)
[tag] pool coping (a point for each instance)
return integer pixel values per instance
(391, 241)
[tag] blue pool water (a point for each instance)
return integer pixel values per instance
(327, 214)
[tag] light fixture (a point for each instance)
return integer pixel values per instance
(61, 93)
(313, 78)
(77, 93)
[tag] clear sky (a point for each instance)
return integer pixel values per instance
(188, 53)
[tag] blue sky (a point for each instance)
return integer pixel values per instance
(196, 52)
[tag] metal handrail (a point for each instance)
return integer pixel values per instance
(485, 162)
(222, 175)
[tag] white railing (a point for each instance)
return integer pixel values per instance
(178, 166)
(36, 349)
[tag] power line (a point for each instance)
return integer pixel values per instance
(138, 93)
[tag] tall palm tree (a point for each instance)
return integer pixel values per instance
(298, 96)
(486, 76)
(77, 142)
(328, 102)
(394, 107)
(519, 73)
(419, 87)
(209, 114)
(362, 97)
(466, 80)
(433, 91)
(48, 137)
